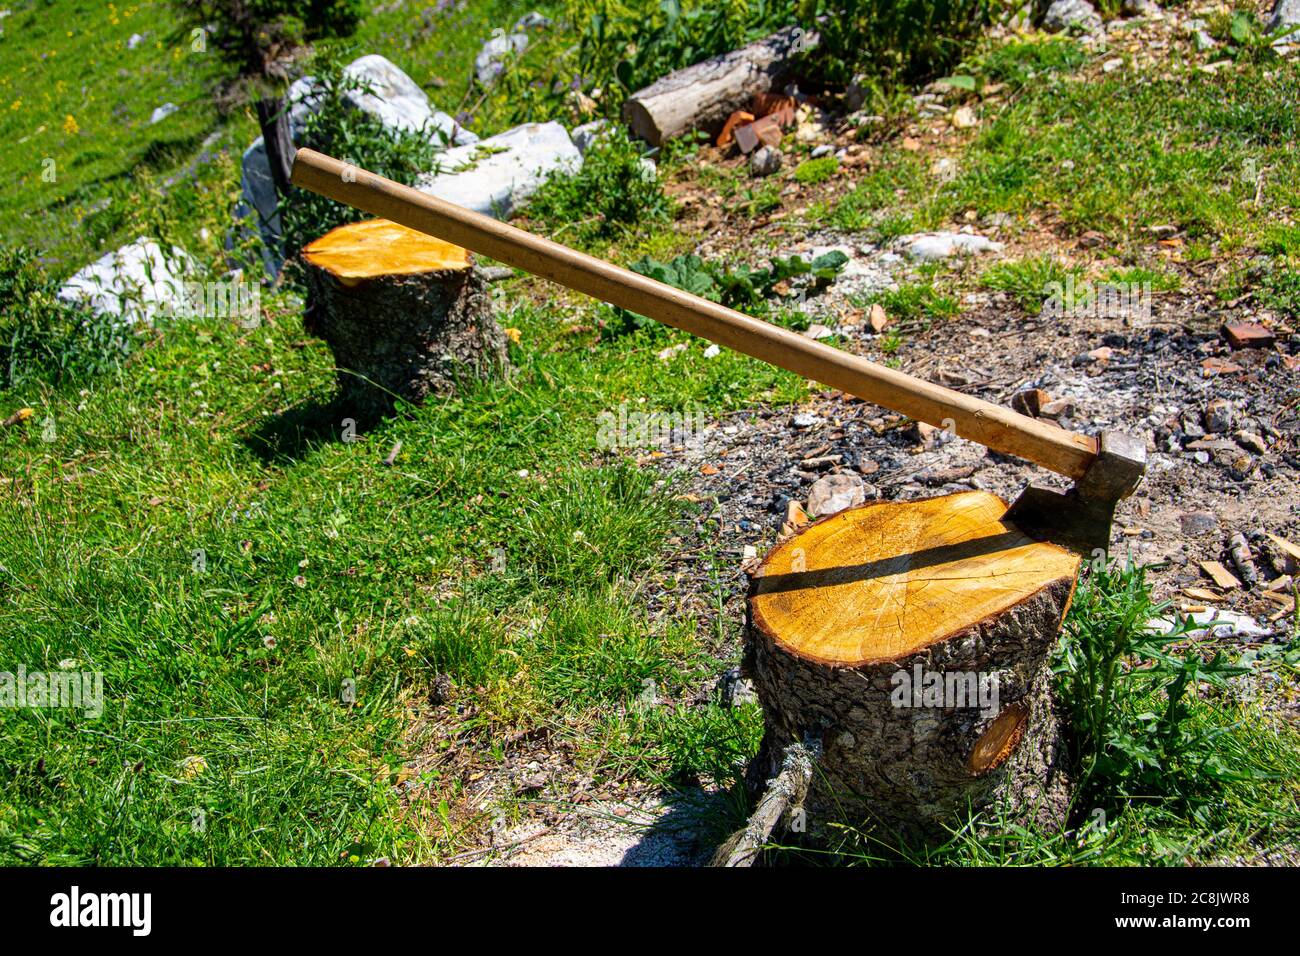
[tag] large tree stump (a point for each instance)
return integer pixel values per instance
(702, 96)
(856, 622)
(405, 314)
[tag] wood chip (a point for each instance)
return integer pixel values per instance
(878, 319)
(1220, 575)
(1202, 594)
(1292, 551)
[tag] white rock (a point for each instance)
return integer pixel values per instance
(1216, 622)
(928, 246)
(832, 493)
(162, 112)
(385, 92)
(713, 351)
(496, 175)
(492, 56)
(1062, 13)
(136, 282)
(964, 118)
(1143, 8)
(396, 101)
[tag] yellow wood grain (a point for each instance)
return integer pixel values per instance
(881, 581)
(377, 247)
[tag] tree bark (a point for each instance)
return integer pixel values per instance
(704, 95)
(405, 315)
(911, 640)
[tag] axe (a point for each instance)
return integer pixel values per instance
(1105, 468)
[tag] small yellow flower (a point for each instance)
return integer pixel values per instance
(70, 125)
(514, 335)
(192, 767)
(16, 105)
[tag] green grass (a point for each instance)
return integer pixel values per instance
(813, 171)
(1116, 154)
(1028, 280)
(75, 105)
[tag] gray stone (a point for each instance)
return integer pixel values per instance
(1219, 416)
(1063, 14)
(855, 95)
(1286, 14)
(765, 161)
(832, 493)
(586, 134)
(1197, 522)
(134, 283)
(1143, 8)
(495, 52)
(494, 177)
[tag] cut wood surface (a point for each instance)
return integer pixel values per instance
(377, 247)
(702, 96)
(405, 315)
(856, 620)
(877, 583)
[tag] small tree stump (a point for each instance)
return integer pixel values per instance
(852, 623)
(405, 314)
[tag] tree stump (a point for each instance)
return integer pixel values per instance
(909, 642)
(405, 314)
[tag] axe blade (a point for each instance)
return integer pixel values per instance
(1080, 518)
(1063, 517)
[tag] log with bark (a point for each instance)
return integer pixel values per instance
(704, 95)
(909, 642)
(406, 315)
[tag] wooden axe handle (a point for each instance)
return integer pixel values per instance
(991, 425)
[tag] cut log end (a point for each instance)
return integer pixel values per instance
(911, 641)
(405, 315)
(880, 582)
(375, 248)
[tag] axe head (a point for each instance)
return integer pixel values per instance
(1080, 518)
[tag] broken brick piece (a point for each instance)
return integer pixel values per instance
(765, 132)
(738, 118)
(1248, 335)
(765, 104)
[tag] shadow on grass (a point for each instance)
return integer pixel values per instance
(298, 431)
